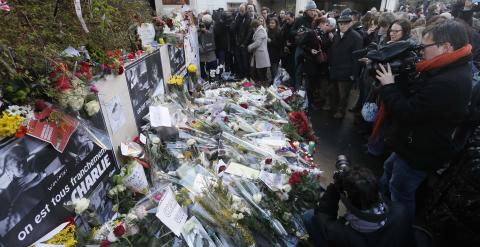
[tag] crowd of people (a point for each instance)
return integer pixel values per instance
(416, 112)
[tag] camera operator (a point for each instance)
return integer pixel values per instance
(426, 113)
(369, 221)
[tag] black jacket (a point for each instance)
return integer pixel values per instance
(288, 36)
(275, 45)
(342, 62)
(397, 231)
(317, 40)
(220, 32)
(242, 29)
(425, 116)
(305, 21)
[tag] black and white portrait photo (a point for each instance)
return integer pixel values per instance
(143, 78)
(36, 178)
(177, 60)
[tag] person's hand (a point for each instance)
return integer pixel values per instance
(314, 52)
(330, 35)
(288, 43)
(352, 78)
(286, 50)
(365, 60)
(372, 29)
(385, 76)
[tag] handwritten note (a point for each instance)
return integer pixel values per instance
(171, 213)
(160, 116)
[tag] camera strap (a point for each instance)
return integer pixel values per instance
(362, 215)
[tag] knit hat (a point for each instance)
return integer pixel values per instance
(310, 5)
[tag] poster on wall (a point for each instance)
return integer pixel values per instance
(177, 60)
(144, 79)
(36, 180)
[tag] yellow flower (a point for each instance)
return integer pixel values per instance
(65, 237)
(192, 68)
(9, 124)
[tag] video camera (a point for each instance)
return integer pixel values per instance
(401, 55)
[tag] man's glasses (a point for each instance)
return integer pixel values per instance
(423, 47)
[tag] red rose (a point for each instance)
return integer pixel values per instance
(225, 119)
(268, 161)
(40, 105)
(21, 132)
(131, 55)
(119, 230)
(120, 70)
(296, 178)
(105, 243)
(136, 139)
(244, 105)
(62, 83)
(93, 89)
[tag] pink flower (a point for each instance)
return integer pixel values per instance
(4, 6)
(247, 84)
(93, 89)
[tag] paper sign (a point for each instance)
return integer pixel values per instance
(272, 180)
(49, 131)
(146, 31)
(116, 117)
(242, 171)
(136, 180)
(170, 212)
(160, 116)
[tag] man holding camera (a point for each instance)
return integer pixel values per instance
(426, 112)
(368, 222)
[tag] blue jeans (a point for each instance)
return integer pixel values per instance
(402, 182)
(312, 229)
(298, 67)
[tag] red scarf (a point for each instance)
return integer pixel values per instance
(423, 66)
(444, 59)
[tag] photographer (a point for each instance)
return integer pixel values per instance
(369, 221)
(427, 112)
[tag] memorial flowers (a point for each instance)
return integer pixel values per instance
(66, 237)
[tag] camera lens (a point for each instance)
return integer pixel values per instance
(342, 162)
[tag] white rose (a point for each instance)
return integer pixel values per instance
(131, 217)
(81, 205)
(283, 196)
(155, 140)
(191, 142)
(257, 197)
(75, 102)
(92, 107)
(132, 230)
(240, 216)
(111, 237)
(141, 212)
(235, 216)
(286, 188)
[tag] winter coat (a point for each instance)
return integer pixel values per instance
(397, 231)
(259, 48)
(305, 21)
(221, 35)
(275, 45)
(426, 115)
(342, 63)
(203, 37)
(242, 29)
(317, 40)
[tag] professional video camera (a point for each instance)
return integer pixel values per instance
(401, 55)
